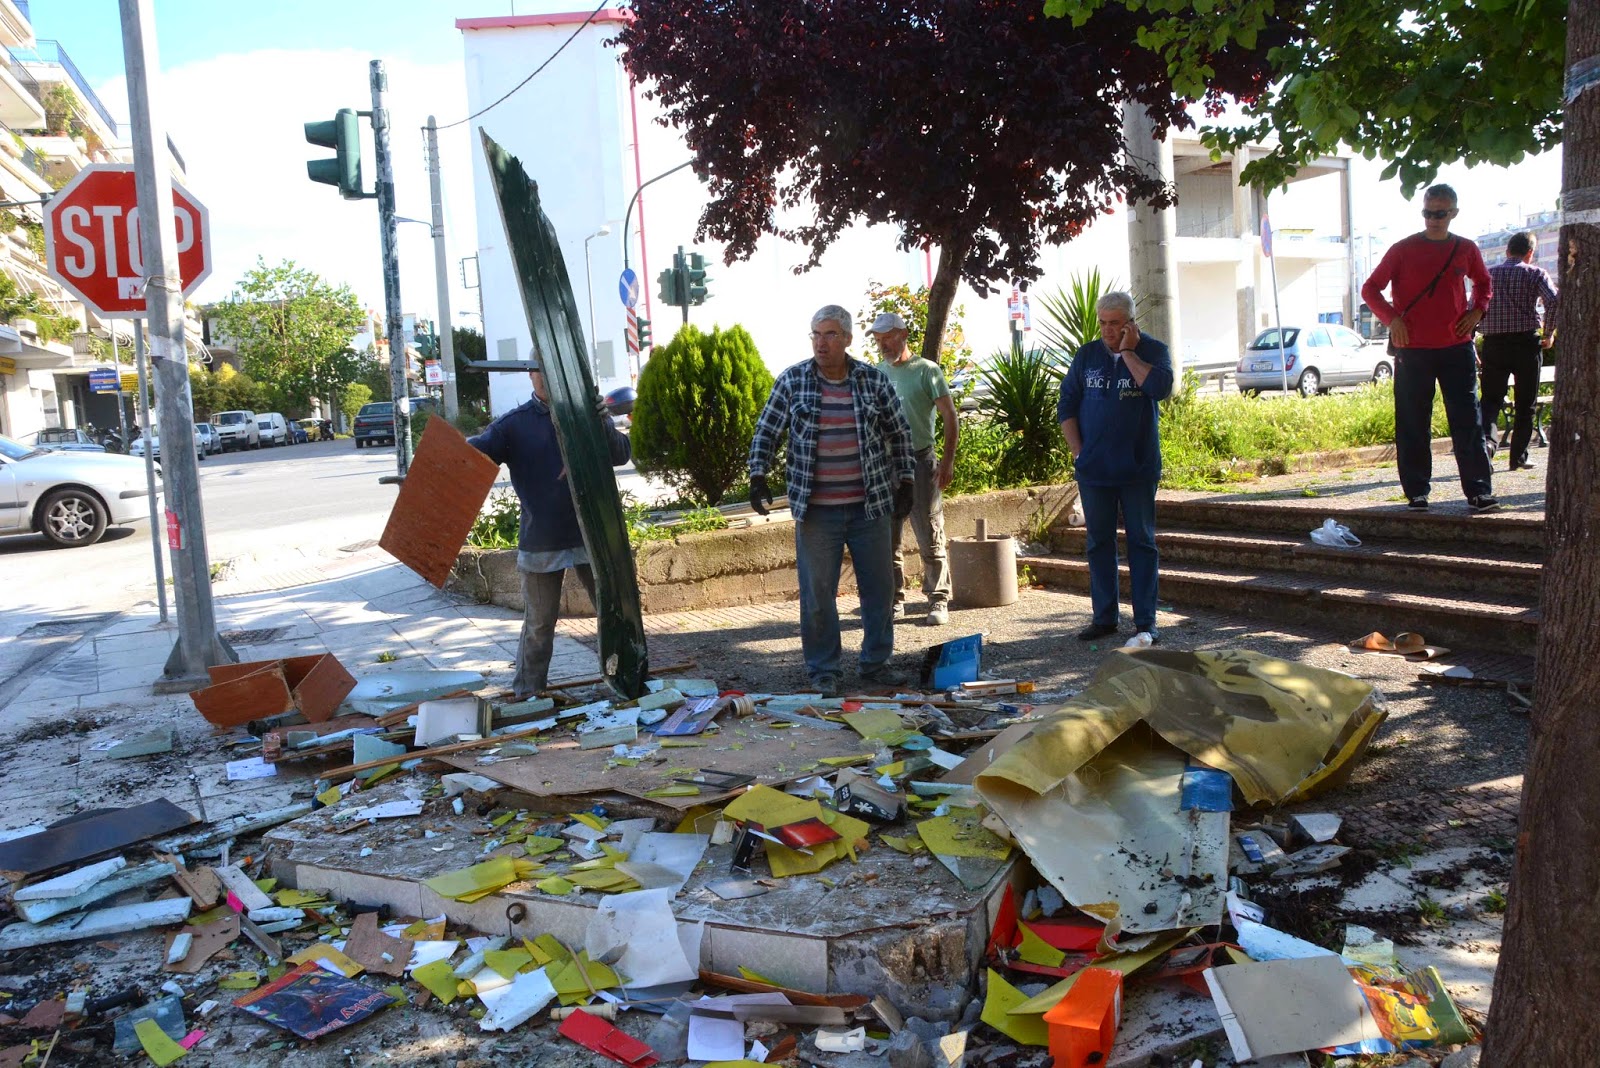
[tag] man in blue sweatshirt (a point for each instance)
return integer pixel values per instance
(1108, 414)
(550, 541)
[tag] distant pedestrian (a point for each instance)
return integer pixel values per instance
(1430, 324)
(1109, 416)
(1514, 339)
(550, 540)
(850, 480)
(923, 394)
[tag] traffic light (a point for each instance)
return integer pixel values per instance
(668, 281)
(697, 279)
(644, 334)
(343, 135)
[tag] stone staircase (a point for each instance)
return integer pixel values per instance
(1463, 581)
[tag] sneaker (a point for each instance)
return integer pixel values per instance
(826, 685)
(1523, 464)
(1418, 504)
(1483, 503)
(1096, 630)
(899, 610)
(938, 616)
(882, 675)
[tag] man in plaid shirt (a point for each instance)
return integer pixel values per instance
(1513, 342)
(851, 471)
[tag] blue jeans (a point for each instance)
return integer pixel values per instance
(1456, 372)
(1138, 504)
(819, 543)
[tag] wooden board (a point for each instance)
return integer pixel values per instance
(81, 838)
(439, 501)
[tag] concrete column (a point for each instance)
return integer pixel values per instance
(1152, 236)
(1347, 217)
(1247, 267)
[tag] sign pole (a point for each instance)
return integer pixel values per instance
(445, 331)
(122, 417)
(149, 463)
(388, 228)
(198, 646)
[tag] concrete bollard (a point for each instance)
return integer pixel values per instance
(983, 570)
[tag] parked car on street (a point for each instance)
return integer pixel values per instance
(60, 439)
(210, 442)
(375, 423)
(274, 429)
(1318, 357)
(298, 434)
(139, 445)
(70, 498)
(238, 430)
(311, 430)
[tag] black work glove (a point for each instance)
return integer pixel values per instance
(903, 498)
(760, 495)
(600, 408)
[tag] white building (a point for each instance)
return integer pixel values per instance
(590, 139)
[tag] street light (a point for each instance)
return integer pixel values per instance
(588, 274)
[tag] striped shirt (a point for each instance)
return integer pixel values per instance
(882, 435)
(838, 478)
(1518, 289)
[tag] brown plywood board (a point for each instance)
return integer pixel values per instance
(319, 684)
(241, 697)
(367, 946)
(440, 499)
(209, 940)
(771, 755)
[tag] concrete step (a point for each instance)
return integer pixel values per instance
(1447, 524)
(1508, 570)
(1479, 621)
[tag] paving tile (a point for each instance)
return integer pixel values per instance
(262, 795)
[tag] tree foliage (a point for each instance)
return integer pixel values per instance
(699, 396)
(1418, 84)
(354, 396)
(292, 332)
(974, 125)
(472, 387)
(911, 304)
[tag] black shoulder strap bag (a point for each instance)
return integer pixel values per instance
(1426, 292)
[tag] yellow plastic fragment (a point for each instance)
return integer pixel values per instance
(439, 978)
(591, 821)
(378, 774)
(507, 962)
(845, 761)
(240, 980)
(568, 980)
(479, 879)
(1001, 1012)
(266, 886)
(538, 845)
(295, 899)
(756, 977)
(330, 796)
(874, 722)
(398, 992)
(209, 916)
(1036, 950)
(502, 819)
(555, 885)
(322, 951)
(605, 879)
(157, 1043)
(552, 948)
(903, 845)
(676, 789)
(425, 931)
(1126, 963)
(690, 823)
(771, 808)
(536, 953)
(962, 835)
(892, 770)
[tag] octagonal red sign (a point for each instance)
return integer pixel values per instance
(92, 246)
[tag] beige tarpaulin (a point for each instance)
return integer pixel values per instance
(1092, 794)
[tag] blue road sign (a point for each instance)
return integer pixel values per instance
(628, 287)
(104, 380)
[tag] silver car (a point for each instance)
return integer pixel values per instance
(1319, 357)
(210, 442)
(70, 498)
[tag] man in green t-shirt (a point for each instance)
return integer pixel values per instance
(922, 390)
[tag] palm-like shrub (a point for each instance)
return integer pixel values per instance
(699, 397)
(1023, 386)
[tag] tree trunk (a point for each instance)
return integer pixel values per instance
(1543, 1011)
(942, 294)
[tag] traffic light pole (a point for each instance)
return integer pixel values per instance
(199, 646)
(388, 229)
(445, 332)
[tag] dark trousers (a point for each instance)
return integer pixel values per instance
(541, 608)
(1507, 357)
(1137, 502)
(1455, 372)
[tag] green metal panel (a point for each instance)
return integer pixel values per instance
(557, 331)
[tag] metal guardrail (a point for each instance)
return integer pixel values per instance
(23, 77)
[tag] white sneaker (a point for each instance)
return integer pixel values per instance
(899, 610)
(938, 616)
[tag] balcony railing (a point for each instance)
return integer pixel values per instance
(52, 52)
(24, 79)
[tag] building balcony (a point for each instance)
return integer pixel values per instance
(1319, 248)
(20, 108)
(16, 27)
(62, 156)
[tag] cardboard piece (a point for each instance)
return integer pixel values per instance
(314, 685)
(208, 939)
(607, 1039)
(376, 951)
(311, 1002)
(87, 835)
(444, 491)
(45, 1016)
(1287, 1006)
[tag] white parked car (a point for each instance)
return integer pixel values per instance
(210, 441)
(1319, 356)
(274, 429)
(238, 430)
(70, 498)
(138, 447)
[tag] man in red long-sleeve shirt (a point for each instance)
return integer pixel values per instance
(1431, 320)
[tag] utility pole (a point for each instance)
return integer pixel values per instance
(1152, 234)
(388, 229)
(199, 646)
(445, 332)
(149, 463)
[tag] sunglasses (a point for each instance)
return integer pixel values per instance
(1441, 213)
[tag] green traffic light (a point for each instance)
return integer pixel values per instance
(342, 134)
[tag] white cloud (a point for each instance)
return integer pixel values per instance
(238, 121)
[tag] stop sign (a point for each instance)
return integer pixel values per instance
(91, 240)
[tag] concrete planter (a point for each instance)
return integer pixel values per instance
(755, 564)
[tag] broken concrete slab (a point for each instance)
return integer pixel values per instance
(72, 883)
(150, 743)
(134, 917)
(125, 879)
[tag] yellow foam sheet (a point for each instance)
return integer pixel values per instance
(771, 808)
(1099, 777)
(157, 1043)
(999, 1012)
(507, 962)
(475, 881)
(1126, 963)
(550, 947)
(568, 980)
(1036, 950)
(321, 951)
(439, 978)
(785, 861)
(961, 834)
(874, 722)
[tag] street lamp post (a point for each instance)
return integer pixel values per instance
(588, 274)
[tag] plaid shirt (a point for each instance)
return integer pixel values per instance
(1518, 288)
(881, 429)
